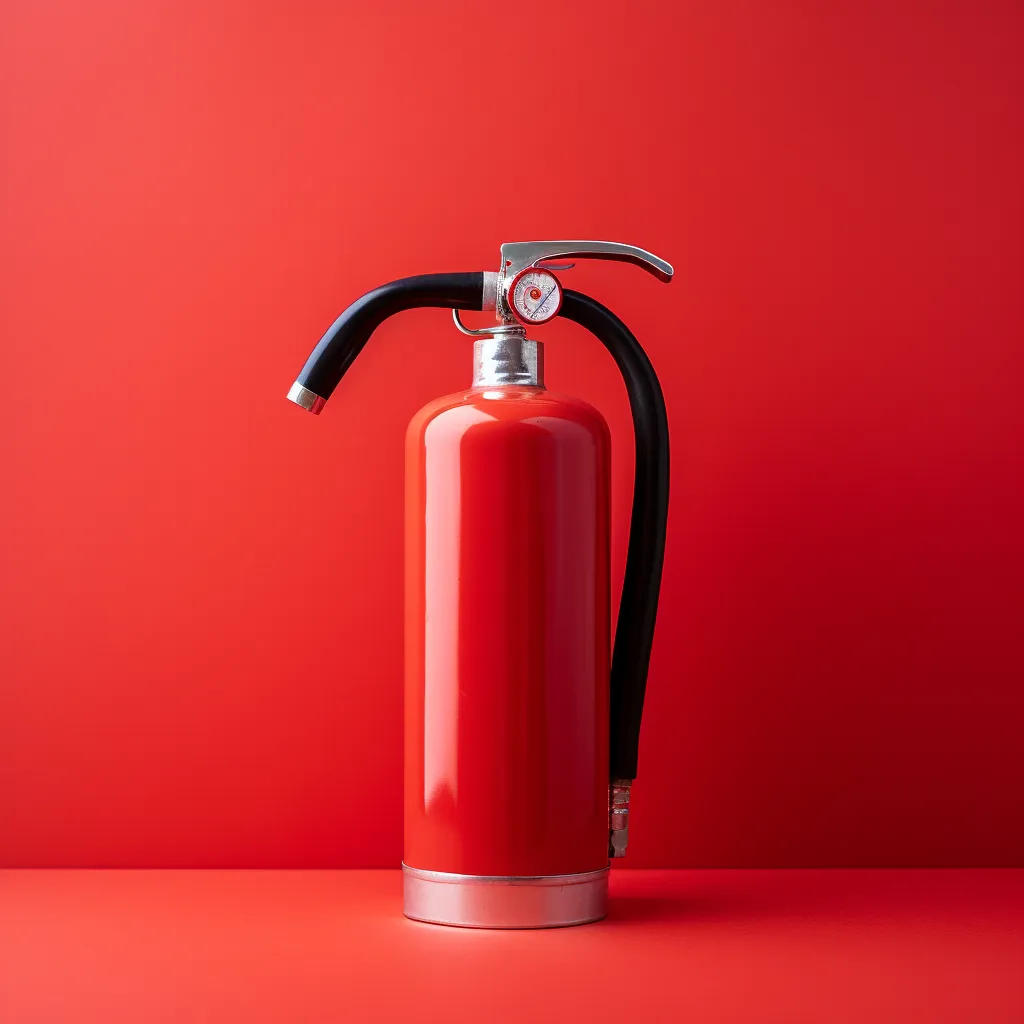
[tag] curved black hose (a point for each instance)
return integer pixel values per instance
(634, 632)
(348, 334)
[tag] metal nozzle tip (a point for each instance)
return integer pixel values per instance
(309, 400)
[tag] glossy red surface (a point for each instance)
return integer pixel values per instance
(507, 634)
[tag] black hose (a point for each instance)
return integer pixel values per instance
(634, 632)
(348, 334)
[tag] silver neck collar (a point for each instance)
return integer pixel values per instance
(508, 360)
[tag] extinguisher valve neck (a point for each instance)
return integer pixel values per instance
(618, 817)
(508, 359)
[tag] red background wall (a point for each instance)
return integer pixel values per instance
(200, 594)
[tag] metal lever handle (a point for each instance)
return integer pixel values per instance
(517, 256)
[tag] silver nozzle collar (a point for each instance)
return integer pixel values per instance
(309, 400)
(508, 359)
(492, 282)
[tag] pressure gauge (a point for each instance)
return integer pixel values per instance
(535, 296)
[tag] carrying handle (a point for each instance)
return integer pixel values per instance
(518, 256)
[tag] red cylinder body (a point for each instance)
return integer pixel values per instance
(507, 634)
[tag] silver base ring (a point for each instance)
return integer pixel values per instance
(514, 901)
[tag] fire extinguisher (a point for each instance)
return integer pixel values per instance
(521, 726)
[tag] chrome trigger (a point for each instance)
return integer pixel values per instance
(548, 265)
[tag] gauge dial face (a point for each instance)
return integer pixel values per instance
(535, 296)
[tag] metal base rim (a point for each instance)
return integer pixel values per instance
(513, 901)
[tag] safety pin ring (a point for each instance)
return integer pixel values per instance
(489, 332)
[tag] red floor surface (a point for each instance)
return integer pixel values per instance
(297, 946)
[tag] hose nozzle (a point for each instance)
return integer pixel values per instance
(309, 400)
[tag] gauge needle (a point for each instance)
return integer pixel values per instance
(536, 308)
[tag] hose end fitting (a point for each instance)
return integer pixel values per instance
(618, 816)
(308, 400)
